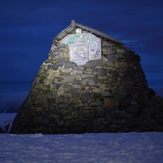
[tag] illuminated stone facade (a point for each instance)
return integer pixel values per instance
(89, 83)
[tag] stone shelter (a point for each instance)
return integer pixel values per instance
(90, 82)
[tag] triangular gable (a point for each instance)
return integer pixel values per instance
(73, 26)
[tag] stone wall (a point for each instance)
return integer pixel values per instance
(107, 95)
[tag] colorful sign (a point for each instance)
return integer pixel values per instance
(83, 47)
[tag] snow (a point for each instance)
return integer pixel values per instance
(82, 148)
(79, 148)
(6, 119)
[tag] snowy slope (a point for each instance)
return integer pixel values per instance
(82, 148)
(6, 119)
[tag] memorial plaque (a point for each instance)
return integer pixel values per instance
(83, 47)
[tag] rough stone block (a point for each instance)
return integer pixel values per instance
(111, 102)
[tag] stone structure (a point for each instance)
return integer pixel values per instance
(89, 83)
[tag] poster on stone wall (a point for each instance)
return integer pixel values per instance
(79, 53)
(83, 47)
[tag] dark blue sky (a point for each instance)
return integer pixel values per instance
(27, 28)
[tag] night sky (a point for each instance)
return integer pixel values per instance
(27, 28)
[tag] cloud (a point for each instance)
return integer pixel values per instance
(159, 92)
(12, 102)
(153, 68)
(25, 36)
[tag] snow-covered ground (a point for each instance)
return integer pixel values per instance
(82, 148)
(6, 119)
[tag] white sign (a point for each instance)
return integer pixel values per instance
(83, 47)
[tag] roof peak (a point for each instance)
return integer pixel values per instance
(75, 25)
